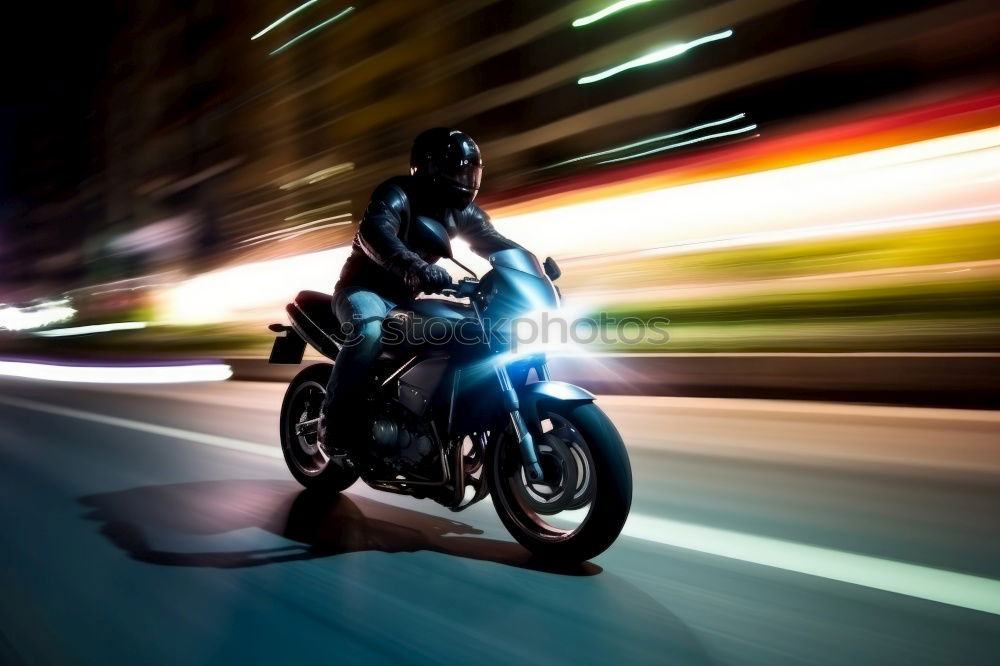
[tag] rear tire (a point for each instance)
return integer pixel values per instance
(305, 458)
(609, 498)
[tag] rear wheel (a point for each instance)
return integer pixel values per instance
(580, 506)
(306, 459)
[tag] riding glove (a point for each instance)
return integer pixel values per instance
(428, 278)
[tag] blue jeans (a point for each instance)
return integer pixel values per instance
(360, 312)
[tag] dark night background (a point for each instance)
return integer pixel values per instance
(55, 59)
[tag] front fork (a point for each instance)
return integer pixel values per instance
(529, 454)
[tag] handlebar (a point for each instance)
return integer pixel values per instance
(464, 288)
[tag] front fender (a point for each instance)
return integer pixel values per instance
(530, 396)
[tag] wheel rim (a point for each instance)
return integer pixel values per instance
(557, 508)
(304, 449)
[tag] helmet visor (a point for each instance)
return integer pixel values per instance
(467, 175)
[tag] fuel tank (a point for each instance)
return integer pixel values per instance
(429, 323)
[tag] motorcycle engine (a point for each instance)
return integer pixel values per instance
(405, 446)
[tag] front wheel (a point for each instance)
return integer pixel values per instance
(579, 508)
(306, 459)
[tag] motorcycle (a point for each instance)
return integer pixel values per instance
(457, 414)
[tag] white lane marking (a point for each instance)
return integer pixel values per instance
(167, 374)
(151, 428)
(912, 580)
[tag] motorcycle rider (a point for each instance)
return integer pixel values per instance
(382, 271)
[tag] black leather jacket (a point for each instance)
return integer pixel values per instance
(379, 257)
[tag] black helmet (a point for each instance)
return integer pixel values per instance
(451, 161)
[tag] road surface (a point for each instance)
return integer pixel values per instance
(158, 525)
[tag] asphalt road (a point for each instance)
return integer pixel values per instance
(158, 525)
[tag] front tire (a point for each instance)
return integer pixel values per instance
(581, 451)
(305, 458)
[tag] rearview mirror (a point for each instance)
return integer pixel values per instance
(551, 268)
(429, 236)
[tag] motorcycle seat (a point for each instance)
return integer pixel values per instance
(316, 305)
(312, 315)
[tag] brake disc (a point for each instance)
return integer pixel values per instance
(558, 488)
(585, 466)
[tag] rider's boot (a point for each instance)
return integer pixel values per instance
(339, 430)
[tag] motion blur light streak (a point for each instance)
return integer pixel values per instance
(931, 219)
(121, 290)
(311, 30)
(284, 18)
(841, 137)
(938, 218)
(946, 587)
(312, 229)
(96, 328)
(174, 374)
(906, 186)
(334, 217)
(150, 281)
(279, 232)
(607, 11)
(321, 209)
(35, 316)
(252, 289)
(717, 135)
(297, 227)
(644, 142)
(901, 181)
(659, 55)
(319, 176)
(290, 236)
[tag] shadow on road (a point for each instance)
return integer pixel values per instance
(406, 607)
(191, 524)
